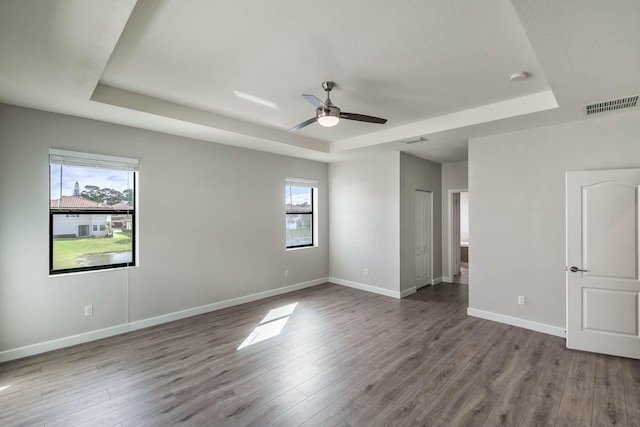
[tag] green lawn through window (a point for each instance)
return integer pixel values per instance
(66, 251)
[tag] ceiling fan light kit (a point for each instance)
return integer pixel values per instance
(329, 115)
(326, 119)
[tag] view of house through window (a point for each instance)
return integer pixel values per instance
(299, 195)
(92, 212)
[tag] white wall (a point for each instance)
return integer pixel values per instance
(464, 217)
(455, 176)
(364, 217)
(418, 174)
(211, 228)
(517, 210)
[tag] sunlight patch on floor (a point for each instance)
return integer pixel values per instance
(270, 326)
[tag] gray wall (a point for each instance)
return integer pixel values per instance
(211, 228)
(364, 218)
(455, 176)
(418, 174)
(517, 209)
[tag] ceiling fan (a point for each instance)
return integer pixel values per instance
(329, 115)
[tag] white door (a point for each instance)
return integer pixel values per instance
(603, 290)
(423, 246)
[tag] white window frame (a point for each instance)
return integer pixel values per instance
(98, 161)
(313, 184)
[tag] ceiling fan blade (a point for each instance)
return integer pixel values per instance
(315, 101)
(303, 124)
(362, 118)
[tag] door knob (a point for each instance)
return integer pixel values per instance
(575, 269)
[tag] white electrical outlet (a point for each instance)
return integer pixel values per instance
(286, 273)
(366, 271)
(521, 300)
(88, 310)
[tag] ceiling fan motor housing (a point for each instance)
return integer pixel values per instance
(331, 111)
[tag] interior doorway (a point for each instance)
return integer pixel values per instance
(424, 238)
(459, 236)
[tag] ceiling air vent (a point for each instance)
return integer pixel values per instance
(607, 106)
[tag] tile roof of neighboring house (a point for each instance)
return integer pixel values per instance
(67, 202)
(121, 207)
(76, 202)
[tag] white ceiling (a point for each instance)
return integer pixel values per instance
(437, 68)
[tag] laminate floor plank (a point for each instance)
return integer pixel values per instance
(14, 408)
(608, 394)
(411, 374)
(514, 398)
(186, 404)
(325, 397)
(406, 410)
(544, 403)
(112, 411)
(257, 396)
(439, 378)
(458, 389)
(415, 399)
(352, 401)
(344, 358)
(255, 413)
(358, 350)
(51, 410)
(496, 378)
(577, 398)
(475, 410)
(419, 337)
(343, 367)
(479, 403)
(294, 374)
(398, 376)
(631, 378)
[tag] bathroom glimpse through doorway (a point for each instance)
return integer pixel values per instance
(459, 236)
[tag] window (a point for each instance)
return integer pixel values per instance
(91, 211)
(299, 202)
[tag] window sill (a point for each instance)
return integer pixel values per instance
(105, 270)
(301, 248)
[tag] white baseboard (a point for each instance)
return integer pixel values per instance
(59, 343)
(368, 288)
(446, 279)
(515, 321)
(407, 292)
(380, 291)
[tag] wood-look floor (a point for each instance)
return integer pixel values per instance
(344, 358)
(462, 278)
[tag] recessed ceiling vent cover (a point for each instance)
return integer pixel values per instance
(607, 106)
